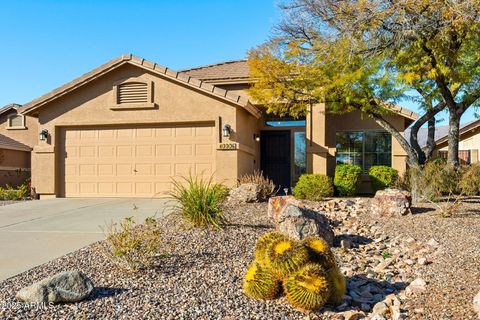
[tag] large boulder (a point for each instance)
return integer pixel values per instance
(68, 286)
(246, 193)
(391, 203)
(292, 218)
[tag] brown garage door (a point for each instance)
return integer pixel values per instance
(132, 161)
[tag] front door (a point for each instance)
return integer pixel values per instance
(275, 157)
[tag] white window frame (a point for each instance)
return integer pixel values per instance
(10, 127)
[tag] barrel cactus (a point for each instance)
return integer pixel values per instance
(263, 244)
(309, 288)
(260, 284)
(338, 286)
(307, 269)
(285, 256)
(320, 252)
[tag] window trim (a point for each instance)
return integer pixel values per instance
(21, 127)
(128, 106)
(364, 131)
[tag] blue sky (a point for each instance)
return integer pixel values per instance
(48, 43)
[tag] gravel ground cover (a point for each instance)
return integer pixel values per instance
(453, 277)
(7, 202)
(202, 277)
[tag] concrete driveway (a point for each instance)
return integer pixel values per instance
(35, 232)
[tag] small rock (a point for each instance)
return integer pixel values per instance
(68, 286)
(353, 315)
(433, 243)
(422, 261)
(416, 286)
(345, 244)
(380, 308)
(476, 304)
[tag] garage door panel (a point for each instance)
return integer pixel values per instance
(134, 162)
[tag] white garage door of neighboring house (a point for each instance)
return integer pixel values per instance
(132, 161)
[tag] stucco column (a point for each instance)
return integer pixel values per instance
(44, 166)
(320, 154)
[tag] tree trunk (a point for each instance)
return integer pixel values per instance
(453, 138)
(412, 158)
(431, 144)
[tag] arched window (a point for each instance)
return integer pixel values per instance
(16, 121)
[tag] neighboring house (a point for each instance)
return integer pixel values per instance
(17, 135)
(126, 128)
(469, 143)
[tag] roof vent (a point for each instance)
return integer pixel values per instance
(133, 92)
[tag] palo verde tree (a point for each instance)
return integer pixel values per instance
(367, 55)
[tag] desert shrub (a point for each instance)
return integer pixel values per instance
(131, 246)
(313, 187)
(382, 177)
(470, 182)
(20, 193)
(435, 179)
(346, 179)
(267, 187)
(199, 200)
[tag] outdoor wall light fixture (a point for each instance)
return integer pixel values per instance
(256, 137)
(43, 135)
(227, 130)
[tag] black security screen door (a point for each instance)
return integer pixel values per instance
(275, 157)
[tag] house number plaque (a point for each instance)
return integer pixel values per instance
(227, 146)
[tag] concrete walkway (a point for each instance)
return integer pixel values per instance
(35, 232)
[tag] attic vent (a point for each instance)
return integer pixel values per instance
(133, 92)
(16, 121)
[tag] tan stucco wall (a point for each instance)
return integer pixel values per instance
(90, 105)
(28, 136)
(14, 167)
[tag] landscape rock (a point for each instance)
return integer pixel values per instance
(416, 286)
(391, 203)
(476, 304)
(68, 286)
(380, 308)
(246, 193)
(298, 222)
(276, 205)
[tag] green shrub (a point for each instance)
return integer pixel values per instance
(199, 200)
(382, 177)
(133, 247)
(313, 187)
(15, 194)
(470, 182)
(346, 179)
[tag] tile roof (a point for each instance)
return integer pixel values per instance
(228, 70)
(151, 66)
(10, 144)
(9, 107)
(441, 132)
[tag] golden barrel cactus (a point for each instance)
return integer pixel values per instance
(309, 288)
(259, 283)
(285, 256)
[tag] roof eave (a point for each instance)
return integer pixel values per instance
(179, 77)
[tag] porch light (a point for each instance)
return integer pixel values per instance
(43, 135)
(256, 137)
(227, 129)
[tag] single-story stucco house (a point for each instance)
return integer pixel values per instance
(468, 147)
(126, 128)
